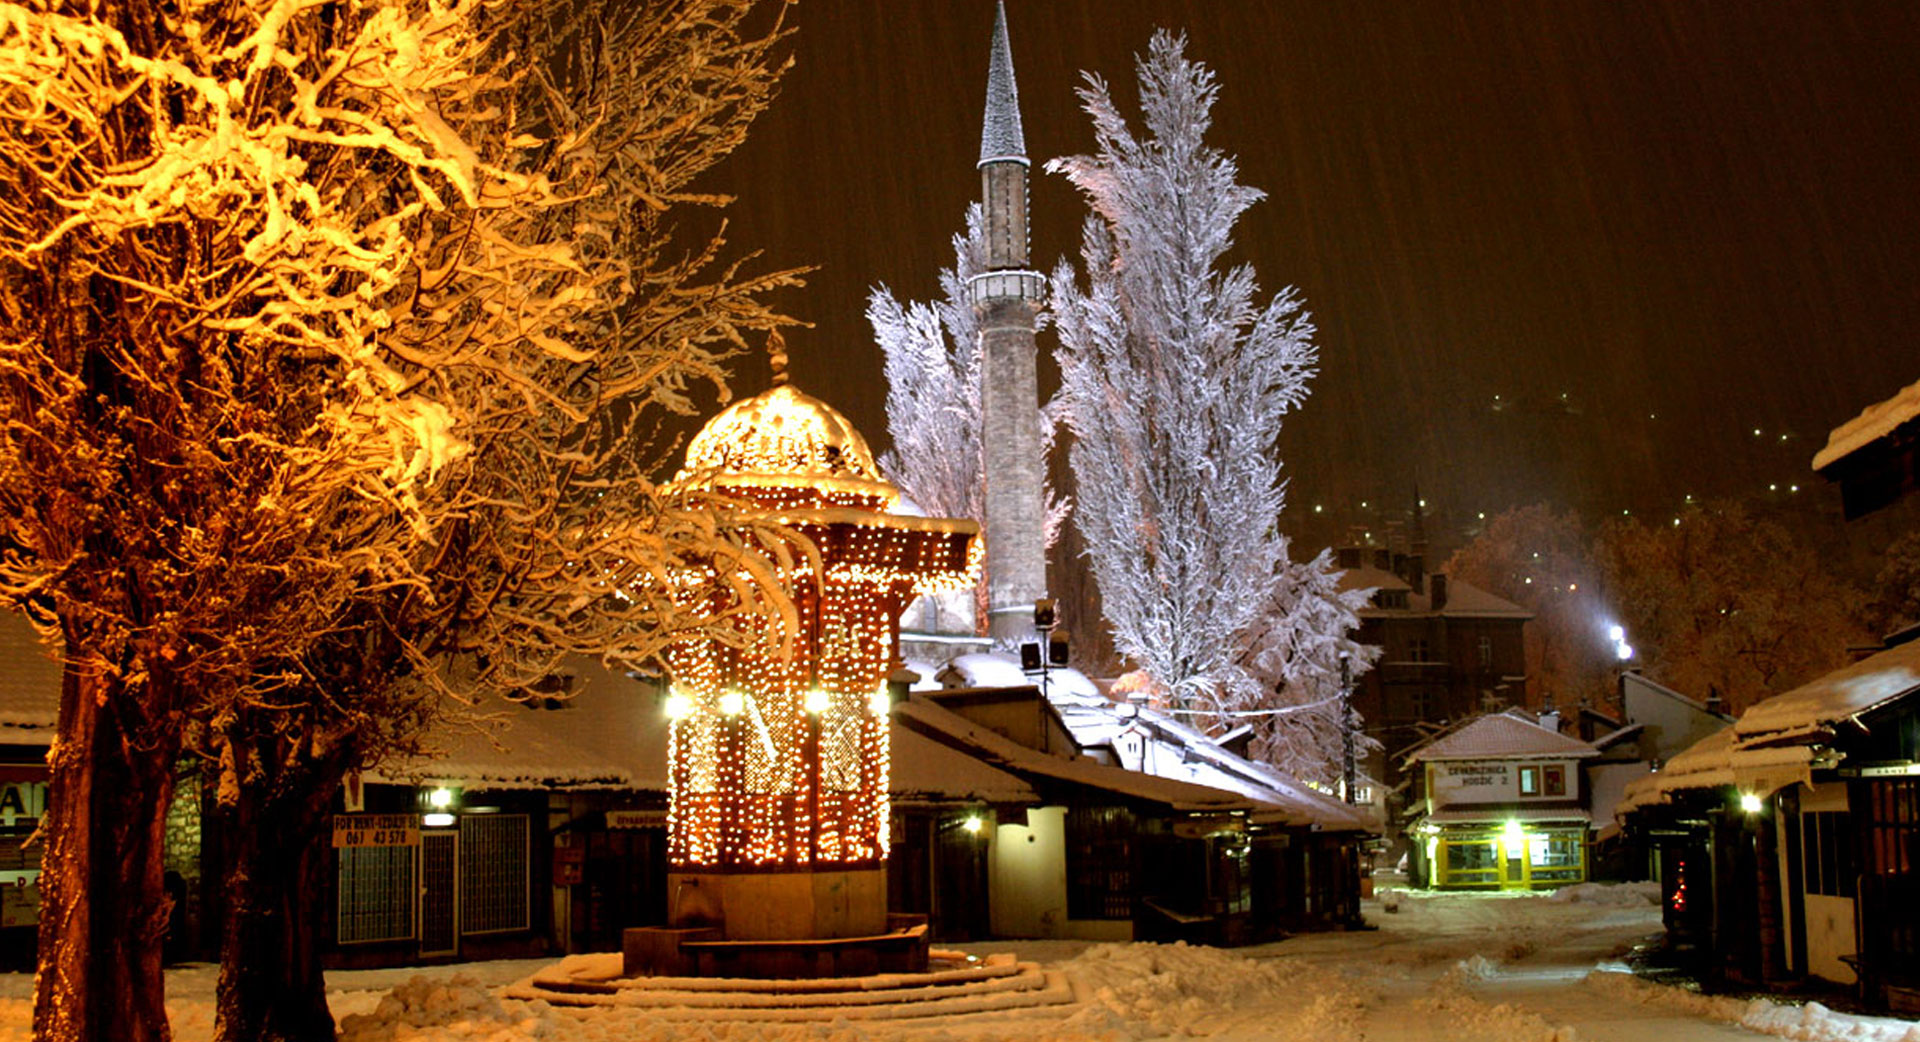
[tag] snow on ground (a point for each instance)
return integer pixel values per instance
(1439, 968)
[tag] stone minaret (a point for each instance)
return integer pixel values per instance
(1007, 296)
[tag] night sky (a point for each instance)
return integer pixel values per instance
(1572, 252)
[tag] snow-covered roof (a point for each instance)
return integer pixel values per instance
(1095, 720)
(1465, 599)
(1714, 761)
(1633, 679)
(612, 734)
(945, 725)
(1001, 136)
(782, 437)
(1876, 421)
(1782, 738)
(985, 669)
(927, 771)
(1502, 736)
(29, 684)
(1843, 693)
(1367, 577)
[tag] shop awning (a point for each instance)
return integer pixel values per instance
(1500, 816)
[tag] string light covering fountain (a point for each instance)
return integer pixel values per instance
(778, 763)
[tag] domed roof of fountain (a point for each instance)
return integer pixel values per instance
(784, 438)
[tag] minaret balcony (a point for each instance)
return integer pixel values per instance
(1007, 285)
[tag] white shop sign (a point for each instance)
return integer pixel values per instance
(1473, 783)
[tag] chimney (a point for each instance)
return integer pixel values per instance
(1348, 556)
(1437, 590)
(1550, 719)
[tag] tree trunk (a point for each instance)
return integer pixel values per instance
(103, 906)
(272, 987)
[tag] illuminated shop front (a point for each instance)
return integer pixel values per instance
(1501, 805)
(1511, 852)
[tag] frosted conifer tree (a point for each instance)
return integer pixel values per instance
(933, 396)
(1174, 385)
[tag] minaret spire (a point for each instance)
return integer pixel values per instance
(1006, 297)
(1002, 137)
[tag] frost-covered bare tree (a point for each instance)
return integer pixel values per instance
(329, 336)
(933, 396)
(1173, 384)
(933, 385)
(1294, 651)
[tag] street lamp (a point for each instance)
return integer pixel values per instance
(1051, 649)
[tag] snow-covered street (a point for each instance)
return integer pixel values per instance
(1515, 968)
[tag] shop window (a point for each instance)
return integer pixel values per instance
(1529, 781)
(377, 892)
(1099, 863)
(1555, 855)
(1471, 861)
(493, 873)
(1553, 780)
(1826, 848)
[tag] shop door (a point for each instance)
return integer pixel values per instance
(439, 893)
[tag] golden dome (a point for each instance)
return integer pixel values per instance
(783, 438)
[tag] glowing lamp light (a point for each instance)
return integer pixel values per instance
(437, 820)
(815, 701)
(1623, 651)
(880, 701)
(678, 706)
(1617, 634)
(732, 703)
(440, 799)
(1515, 837)
(1751, 803)
(972, 824)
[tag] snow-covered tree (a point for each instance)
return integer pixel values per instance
(1174, 382)
(327, 335)
(933, 385)
(933, 396)
(1294, 650)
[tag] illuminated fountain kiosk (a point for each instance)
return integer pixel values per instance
(777, 776)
